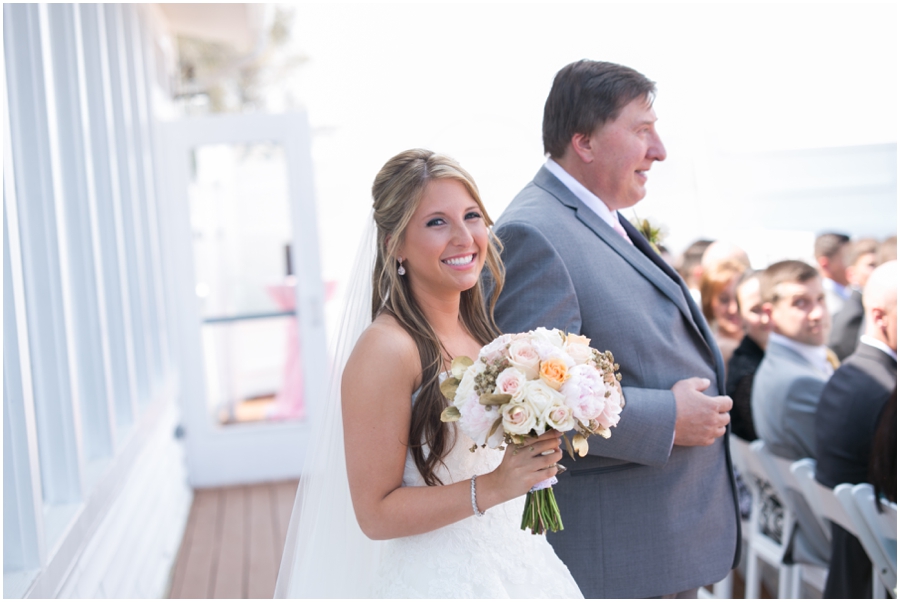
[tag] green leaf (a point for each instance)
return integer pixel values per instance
(449, 386)
(459, 365)
(495, 399)
(450, 414)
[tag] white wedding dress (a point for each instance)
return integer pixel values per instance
(478, 557)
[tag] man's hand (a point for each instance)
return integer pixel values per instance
(699, 419)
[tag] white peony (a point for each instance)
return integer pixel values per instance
(549, 344)
(476, 419)
(467, 383)
(584, 392)
(495, 350)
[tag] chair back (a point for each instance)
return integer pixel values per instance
(820, 498)
(882, 532)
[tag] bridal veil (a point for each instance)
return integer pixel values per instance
(326, 555)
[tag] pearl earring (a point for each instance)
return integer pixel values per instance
(401, 270)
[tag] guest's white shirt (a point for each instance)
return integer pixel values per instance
(817, 355)
(873, 342)
(611, 217)
(838, 289)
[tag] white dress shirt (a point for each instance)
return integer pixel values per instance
(817, 355)
(873, 342)
(611, 217)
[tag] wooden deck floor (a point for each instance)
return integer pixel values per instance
(233, 542)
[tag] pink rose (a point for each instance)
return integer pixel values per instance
(511, 382)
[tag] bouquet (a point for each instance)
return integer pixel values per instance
(524, 384)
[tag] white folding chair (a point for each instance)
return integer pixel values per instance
(778, 471)
(760, 546)
(821, 499)
(882, 531)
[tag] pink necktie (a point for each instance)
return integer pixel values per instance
(621, 231)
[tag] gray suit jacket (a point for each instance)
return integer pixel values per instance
(640, 521)
(786, 391)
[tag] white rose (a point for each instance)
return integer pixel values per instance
(523, 356)
(559, 417)
(579, 352)
(511, 382)
(548, 344)
(541, 397)
(518, 419)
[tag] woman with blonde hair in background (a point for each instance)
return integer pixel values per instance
(440, 517)
(719, 303)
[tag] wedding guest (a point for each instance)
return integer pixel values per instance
(789, 382)
(828, 250)
(883, 461)
(748, 355)
(717, 298)
(651, 511)
(721, 251)
(846, 423)
(847, 323)
(690, 268)
(887, 250)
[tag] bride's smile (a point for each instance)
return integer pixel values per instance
(445, 244)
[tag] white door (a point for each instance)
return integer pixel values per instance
(241, 239)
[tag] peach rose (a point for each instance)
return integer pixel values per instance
(554, 373)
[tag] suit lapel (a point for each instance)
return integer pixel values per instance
(642, 258)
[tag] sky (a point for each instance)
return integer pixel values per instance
(470, 81)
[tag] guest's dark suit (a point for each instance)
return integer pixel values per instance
(741, 368)
(643, 518)
(847, 416)
(846, 326)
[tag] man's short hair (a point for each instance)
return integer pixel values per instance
(858, 248)
(586, 94)
(691, 257)
(790, 270)
(829, 244)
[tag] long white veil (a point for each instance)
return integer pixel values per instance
(326, 555)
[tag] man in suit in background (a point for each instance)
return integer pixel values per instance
(846, 419)
(789, 381)
(847, 323)
(652, 510)
(829, 252)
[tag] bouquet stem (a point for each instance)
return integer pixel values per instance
(541, 512)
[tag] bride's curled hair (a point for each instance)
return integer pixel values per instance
(397, 191)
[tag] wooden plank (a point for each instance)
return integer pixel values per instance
(179, 570)
(262, 566)
(229, 579)
(198, 562)
(284, 493)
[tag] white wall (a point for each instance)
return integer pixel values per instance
(95, 494)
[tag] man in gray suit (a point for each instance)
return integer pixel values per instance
(652, 511)
(789, 382)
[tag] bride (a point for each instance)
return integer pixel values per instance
(430, 517)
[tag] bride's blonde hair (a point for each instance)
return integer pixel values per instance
(397, 192)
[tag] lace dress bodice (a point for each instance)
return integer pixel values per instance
(477, 557)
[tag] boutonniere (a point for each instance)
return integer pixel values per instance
(654, 234)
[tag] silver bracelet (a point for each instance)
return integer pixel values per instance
(474, 504)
